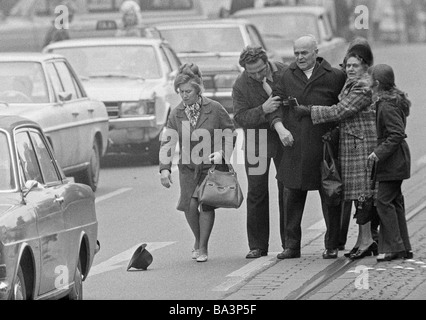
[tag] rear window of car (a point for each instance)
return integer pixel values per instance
(22, 82)
(7, 179)
(199, 40)
(113, 61)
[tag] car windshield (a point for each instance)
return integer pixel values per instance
(281, 30)
(7, 179)
(134, 62)
(22, 82)
(204, 40)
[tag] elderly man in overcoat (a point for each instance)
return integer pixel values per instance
(252, 102)
(312, 81)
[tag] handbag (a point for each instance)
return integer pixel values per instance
(331, 183)
(221, 189)
(366, 209)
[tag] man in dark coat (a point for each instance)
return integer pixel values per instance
(252, 101)
(312, 81)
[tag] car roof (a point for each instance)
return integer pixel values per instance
(10, 122)
(27, 56)
(317, 10)
(109, 41)
(201, 23)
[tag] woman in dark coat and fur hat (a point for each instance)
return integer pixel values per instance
(393, 160)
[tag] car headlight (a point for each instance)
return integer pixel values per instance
(137, 108)
(225, 81)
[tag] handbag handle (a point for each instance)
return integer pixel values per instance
(327, 151)
(230, 167)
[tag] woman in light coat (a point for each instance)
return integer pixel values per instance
(195, 121)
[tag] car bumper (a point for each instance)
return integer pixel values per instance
(129, 123)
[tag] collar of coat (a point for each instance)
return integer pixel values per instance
(322, 66)
(206, 109)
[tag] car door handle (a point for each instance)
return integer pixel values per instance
(59, 200)
(75, 114)
(90, 110)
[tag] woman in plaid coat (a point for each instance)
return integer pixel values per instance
(356, 116)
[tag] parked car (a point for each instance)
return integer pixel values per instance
(134, 78)
(48, 225)
(281, 25)
(45, 89)
(215, 46)
(24, 23)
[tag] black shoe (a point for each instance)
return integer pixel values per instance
(341, 248)
(371, 250)
(256, 253)
(392, 256)
(330, 254)
(289, 254)
(353, 251)
(409, 255)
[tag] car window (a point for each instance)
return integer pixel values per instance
(113, 61)
(27, 158)
(54, 78)
(273, 33)
(22, 82)
(165, 61)
(195, 40)
(7, 180)
(255, 37)
(173, 59)
(66, 79)
(46, 162)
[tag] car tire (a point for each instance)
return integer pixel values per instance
(90, 175)
(77, 289)
(18, 288)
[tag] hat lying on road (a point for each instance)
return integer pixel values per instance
(141, 259)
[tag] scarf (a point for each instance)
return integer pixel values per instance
(193, 112)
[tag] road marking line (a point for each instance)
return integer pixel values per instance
(116, 261)
(320, 225)
(243, 273)
(112, 194)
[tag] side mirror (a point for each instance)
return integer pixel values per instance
(65, 96)
(30, 185)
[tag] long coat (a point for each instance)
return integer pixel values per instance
(357, 132)
(300, 164)
(392, 150)
(248, 97)
(193, 162)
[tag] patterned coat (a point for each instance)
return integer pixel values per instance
(357, 121)
(213, 117)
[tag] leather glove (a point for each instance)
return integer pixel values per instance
(302, 111)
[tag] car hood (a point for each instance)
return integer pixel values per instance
(120, 90)
(213, 62)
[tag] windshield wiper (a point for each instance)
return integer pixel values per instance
(5, 103)
(117, 75)
(274, 36)
(195, 51)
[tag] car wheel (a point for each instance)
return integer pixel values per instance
(90, 175)
(77, 290)
(18, 288)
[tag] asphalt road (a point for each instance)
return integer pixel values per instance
(133, 208)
